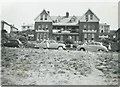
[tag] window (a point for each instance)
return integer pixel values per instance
(91, 17)
(88, 26)
(93, 35)
(46, 27)
(45, 17)
(86, 17)
(85, 35)
(39, 27)
(101, 31)
(42, 27)
(41, 17)
(85, 26)
(93, 26)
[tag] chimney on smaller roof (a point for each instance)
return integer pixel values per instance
(48, 12)
(67, 14)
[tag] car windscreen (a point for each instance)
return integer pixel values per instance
(52, 41)
(97, 44)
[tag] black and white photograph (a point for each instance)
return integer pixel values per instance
(60, 42)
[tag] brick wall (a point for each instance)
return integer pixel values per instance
(44, 24)
(96, 27)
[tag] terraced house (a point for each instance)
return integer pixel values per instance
(60, 28)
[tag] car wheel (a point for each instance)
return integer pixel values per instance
(82, 49)
(60, 48)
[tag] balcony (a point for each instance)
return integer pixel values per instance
(59, 31)
(65, 31)
(89, 31)
(103, 36)
(42, 31)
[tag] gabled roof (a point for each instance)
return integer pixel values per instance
(91, 13)
(45, 13)
(64, 19)
(74, 18)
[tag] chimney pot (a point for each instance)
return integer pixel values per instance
(67, 14)
(48, 12)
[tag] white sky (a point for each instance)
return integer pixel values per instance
(19, 12)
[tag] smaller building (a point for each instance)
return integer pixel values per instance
(112, 34)
(118, 39)
(27, 27)
(28, 30)
(104, 30)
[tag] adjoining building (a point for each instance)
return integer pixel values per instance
(59, 28)
(118, 39)
(104, 30)
(27, 27)
(28, 30)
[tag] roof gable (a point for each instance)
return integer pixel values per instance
(73, 19)
(89, 13)
(43, 17)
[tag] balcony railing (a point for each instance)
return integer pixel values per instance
(42, 31)
(64, 31)
(92, 31)
(59, 31)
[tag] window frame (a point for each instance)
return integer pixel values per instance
(86, 17)
(91, 17)
(45, 17)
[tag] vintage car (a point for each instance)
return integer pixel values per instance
(13, 43)
(51, 44)
(92, 46)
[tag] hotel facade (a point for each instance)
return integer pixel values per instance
(60, 28)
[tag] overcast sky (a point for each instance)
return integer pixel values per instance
(18, 13)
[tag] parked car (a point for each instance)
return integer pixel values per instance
(71, 45)
(31, 45)
(51, 44)
(13, 43)
(92, 46)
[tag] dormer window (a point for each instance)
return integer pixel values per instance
(41, 17)
(45, 17)
(91, 17)
(86, 17)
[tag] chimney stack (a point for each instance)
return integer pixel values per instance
(67, 14)
(48, 12)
